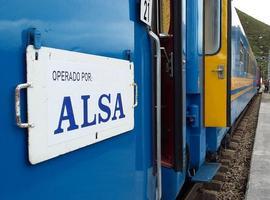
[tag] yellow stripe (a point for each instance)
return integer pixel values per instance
(238, 82)
(235, 96)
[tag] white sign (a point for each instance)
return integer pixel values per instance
(76, 100)
(146, 11)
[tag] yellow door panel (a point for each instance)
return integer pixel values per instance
(216, 68)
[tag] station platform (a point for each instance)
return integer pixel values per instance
(258, 187)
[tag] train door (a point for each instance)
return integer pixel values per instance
(217, 63)
(169, 25)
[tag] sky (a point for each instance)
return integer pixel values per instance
(259, 9)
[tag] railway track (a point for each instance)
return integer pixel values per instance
(235, 156)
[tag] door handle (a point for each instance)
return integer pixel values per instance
(220, 71)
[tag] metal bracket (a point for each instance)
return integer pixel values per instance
(18, 105)
(129, 55)
(34, 38)
(165, 35)
(169, 61)
(171, 65)
(136, 94)
(184, 61)
(193, 115)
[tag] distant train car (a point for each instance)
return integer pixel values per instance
(125, 99)
(244, 69)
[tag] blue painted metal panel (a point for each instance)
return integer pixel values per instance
(173, 183)
(214, 136)
(196, 138)
(206, 172)
(117, 168)
(194, 46)
(239, 104)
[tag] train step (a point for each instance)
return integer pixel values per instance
(206, 172)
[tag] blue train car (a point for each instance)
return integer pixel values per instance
(117, 168)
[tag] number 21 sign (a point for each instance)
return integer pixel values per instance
(146, 11)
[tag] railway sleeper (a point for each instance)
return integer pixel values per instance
(209, 195)
(239, 133)
(223, 169)
(225, 162)
(195, 192)
(228, 154)
(220, 177)
(236, 139)
(213, 185)
(233, 145)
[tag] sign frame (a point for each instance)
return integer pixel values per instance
(109, 96)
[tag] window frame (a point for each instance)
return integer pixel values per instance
(220, 31)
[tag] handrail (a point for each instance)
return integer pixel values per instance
(158, 110)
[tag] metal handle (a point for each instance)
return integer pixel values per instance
(18, 105)
(136, 95)
(219, 71)
(158, 111)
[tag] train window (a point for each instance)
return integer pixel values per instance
(165, 16)
(241, 53)
(247, 64)
(250, 67)
(212, 33)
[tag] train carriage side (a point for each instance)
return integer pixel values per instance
(241, 83)
(120, 167)
(244, 68)
(217, 73)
